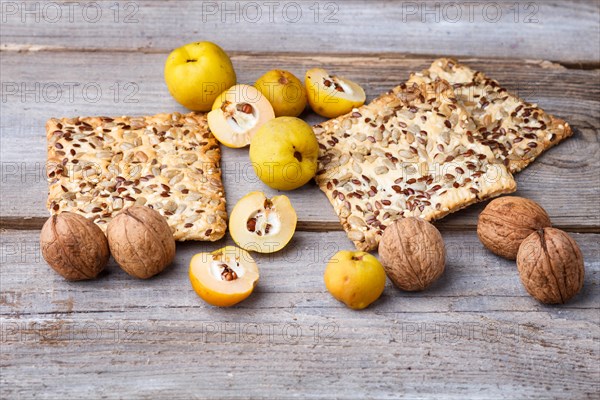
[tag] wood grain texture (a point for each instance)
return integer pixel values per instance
(475, 334)
(561, 31)
(566, 180)
(120, 337)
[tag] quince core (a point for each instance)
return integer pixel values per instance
(237, 114)
(260, 224)
(330, 95)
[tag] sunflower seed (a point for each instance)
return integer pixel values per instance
(381, 170)
(344, 159)
(406, 154)
(104, 155)
(356, 221)
(356, 236)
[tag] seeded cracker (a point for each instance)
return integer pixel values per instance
(170, 162)
(516, 131)
(405, 154)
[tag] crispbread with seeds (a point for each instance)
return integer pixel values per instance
(98, 166)
(516, 131)
(405, 154)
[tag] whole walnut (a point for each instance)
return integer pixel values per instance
(74, 246)
(507, 221)
(141, 241)
(413, 254)
(551, 266)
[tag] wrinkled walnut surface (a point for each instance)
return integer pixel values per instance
(141, 241)
(413, 254)
(551, 266)
(74, 246)
(507, 221)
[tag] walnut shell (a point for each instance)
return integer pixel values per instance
(551, 266)
(507, 221)
(74, 246)
(141, 241)
(413, 254)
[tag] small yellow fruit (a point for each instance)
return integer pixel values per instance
(197, 73)
(284, 153)
(355, 278)
(224, 277)
(331, 96)
(285, 92)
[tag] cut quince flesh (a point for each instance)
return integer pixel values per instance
(237, 113)
(261, 224)
(331, 95)
(224, 277)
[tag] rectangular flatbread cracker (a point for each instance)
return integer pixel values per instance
(98, 166)
(405, 154)
(515, 130)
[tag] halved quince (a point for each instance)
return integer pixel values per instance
(260, 224)
(331, 95)
(224, 277)
(237, 113)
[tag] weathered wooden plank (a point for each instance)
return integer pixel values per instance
(475, 333)
(106, 338)
(566, 180)
(537, 362)
(475, 280)
(507, 28)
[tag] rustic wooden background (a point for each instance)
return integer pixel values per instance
(475, 334)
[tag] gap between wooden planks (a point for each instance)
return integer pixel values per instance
(545, 63)
(36, 223)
